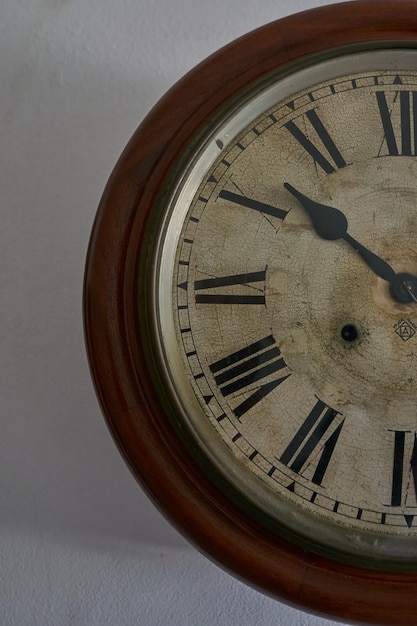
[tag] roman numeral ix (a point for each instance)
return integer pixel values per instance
(243, 371)
(250, 282)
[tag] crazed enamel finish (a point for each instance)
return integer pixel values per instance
(132, 368)
(315, 417)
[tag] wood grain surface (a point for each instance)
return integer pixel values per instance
(116, 323)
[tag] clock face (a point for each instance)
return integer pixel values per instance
(250, 307)
(290, 352)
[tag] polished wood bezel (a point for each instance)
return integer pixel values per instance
(118, 348)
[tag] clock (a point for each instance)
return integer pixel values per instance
(250, 309)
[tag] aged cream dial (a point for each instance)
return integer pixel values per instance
(293, 355)
(250, 306)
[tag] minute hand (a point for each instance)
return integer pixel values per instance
(331, 224)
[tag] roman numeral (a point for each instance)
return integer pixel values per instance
(241, 371)
(400, 133)
(255, 205)
(248, 280)
(404, 470)
(331, 159)
(312, 435)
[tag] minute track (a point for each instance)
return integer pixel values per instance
(230, 306)
(298, 105)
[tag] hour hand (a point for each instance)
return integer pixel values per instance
(330, 223)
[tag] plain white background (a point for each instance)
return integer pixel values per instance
(80, 543)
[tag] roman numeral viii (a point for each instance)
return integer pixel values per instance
(399, 122)
(319, 432)
(322, 148)
(253, 371)
(246, 284)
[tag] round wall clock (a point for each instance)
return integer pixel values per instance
(251, 309)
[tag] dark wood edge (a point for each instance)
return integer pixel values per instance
(128, 397)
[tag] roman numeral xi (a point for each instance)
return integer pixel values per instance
(317, 141)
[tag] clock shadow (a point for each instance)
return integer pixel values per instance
(61, 471)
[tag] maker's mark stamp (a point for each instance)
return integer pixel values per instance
(405, 329)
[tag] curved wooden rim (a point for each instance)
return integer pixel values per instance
(128, 398)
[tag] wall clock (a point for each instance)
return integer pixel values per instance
(251, 309)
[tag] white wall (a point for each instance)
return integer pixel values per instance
(79, 542)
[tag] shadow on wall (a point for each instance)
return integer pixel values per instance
(66, 116)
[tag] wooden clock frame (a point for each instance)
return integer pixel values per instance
(116, 346)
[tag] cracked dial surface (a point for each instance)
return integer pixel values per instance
(294, 367)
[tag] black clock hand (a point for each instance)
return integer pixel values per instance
(330, 223)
